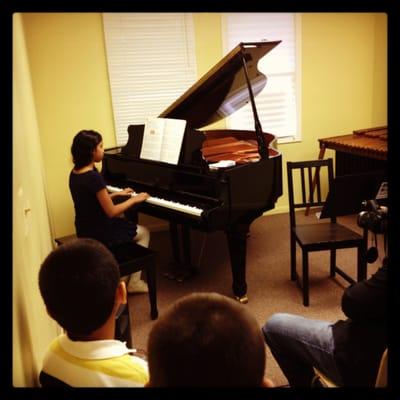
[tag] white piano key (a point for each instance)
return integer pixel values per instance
(173, 205)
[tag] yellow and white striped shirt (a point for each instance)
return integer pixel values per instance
(98, 363)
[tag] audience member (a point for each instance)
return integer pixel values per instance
(81, 288)
(206, 340)
(348, 351)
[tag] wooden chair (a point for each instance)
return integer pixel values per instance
(318, 236)
(381, 377)
(131, 257)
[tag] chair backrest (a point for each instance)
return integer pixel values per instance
(305, 186)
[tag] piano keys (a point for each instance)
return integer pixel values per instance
(172, 205)
(191, 193)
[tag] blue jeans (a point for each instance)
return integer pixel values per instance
(298, 344)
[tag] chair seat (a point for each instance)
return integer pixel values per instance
(325, 236)
(322, 379)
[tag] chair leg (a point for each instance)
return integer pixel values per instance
(292, 258)
(333, 263)
(123, 326)
(151, 281)
(306, 296)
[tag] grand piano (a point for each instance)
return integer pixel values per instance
(192, 193)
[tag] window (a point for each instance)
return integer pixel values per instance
(278, 104)
(151, 62)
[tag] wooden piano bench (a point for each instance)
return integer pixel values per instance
(132, 257)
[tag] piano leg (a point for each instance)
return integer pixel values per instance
(187, 258)
(181, 270)
(237, 238)
(173, 234)
(187, 270)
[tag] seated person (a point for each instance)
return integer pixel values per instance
(80, 284)
(96, 215)
(206, 340)
(347, 352)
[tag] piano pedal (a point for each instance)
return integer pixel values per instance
(185, 274)
(242, 299)
(169, 274)
(180, 273)
(173, 268)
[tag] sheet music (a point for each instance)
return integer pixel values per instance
(152, 139)
(162, 139)
(174, 130)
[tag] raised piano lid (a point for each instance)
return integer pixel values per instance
(223, 89)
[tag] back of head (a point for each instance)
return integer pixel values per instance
(83, 146)
(209, 340)
(78, 282)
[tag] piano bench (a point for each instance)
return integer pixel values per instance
(132, 257)
(64, 239)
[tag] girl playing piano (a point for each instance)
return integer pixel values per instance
(96, 215)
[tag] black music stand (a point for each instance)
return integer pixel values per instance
(347, 193)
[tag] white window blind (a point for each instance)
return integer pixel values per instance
(151, 62)
(277, 104)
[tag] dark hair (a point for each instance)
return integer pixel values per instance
(78, 282)
(83, 145)
(206, 339)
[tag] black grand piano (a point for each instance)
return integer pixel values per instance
(191, 193)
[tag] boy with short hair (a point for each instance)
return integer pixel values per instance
(80, 284)
(206, 340)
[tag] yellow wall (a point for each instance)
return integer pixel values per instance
(209, 50)
(70, 83)
(32, 328)
(344, 81)
(208, 27)
(343, 85)
(380, 94)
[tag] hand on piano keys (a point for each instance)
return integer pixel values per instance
(122, 192)
(173, 205)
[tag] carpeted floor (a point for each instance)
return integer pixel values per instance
(269, 287)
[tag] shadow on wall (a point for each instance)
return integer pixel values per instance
(30, 371)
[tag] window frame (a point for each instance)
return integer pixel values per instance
(290, 138)
(127, 88)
